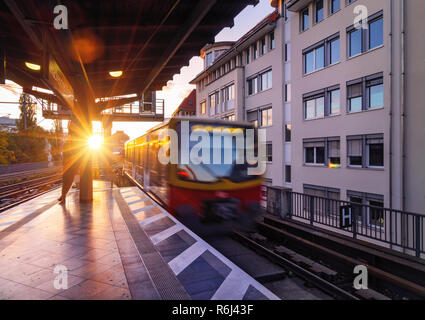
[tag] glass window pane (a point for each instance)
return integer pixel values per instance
(320, 57)
(320, 107)
(319, 10)
(269, 79)
(376, 33)
(334, 54)
(355, 42)
(376, 96)
(269, 117)
(309, 62)
(309, 155)
(335, 6)
(376, 155)
(356, 104)
(305, 19)
(310, 112)
(320, 155)
(335, 102)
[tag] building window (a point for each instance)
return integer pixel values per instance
(334, 102)
(368, 207)
(260, 82)
(304, 19)
(375, 93)
(355, 152)
(322, 151)
(349, 1)
(314, 56)
(355, 42)
(333, 150)
(366, 151)
(355, 97)
(319, 10)
(247, 55)
(265, 79)
(314, 108)
(375, 152)
(252, 117)
(263, 46)
(255, 51)
(287, 133)
(213, 101)
(266, 117)
(365, 93)
(269, 152)
(287, 92)
(361, 40)
(272, 41)
(334, 51)
(288, 174)
(286, 52)
(334, 6)
(314, 152)
(203, 107)
(252, 86)
(209, 59)
(314, 60)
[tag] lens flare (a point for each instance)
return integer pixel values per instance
(95, 142)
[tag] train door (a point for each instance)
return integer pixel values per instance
(133, 159)
(147, 164)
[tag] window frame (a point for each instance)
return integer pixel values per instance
(365, 150)
(325, 141)
(364, 35)
(326, 44)
(316, 11)
(330, 6)
(269, 157)
(366, 83)
(267, 110)
(326, 94)
(302, 16)
(203, 109)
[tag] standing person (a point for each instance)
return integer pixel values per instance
(70, 160)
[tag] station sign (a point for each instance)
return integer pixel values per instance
(345, 216)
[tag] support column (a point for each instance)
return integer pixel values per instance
(86, 170)
(107, 132)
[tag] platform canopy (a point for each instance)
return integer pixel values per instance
(147, 40)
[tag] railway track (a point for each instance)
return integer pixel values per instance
(307, 275)
(328, 269)
(16, 193)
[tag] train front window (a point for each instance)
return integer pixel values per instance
(219, 162)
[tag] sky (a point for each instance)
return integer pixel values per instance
(175, 90)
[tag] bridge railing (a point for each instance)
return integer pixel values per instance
(395, 229)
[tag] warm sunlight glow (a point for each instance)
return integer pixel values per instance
(32, 66)
(95, 142)
(115, 74)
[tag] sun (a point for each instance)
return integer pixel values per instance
(95, 142)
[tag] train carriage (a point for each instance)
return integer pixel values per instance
(208, 191)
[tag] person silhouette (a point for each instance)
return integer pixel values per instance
(70, 159)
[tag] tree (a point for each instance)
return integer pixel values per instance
(55, 140)
(27, 118)
(6, 156)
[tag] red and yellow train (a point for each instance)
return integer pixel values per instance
(209, 192)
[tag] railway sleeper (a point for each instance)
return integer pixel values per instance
(370, 294)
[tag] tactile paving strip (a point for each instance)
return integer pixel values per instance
(203, 271)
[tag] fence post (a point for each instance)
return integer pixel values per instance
(418, 235)
(311, 200)
(354, 222)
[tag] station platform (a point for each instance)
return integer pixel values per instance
(123, 245)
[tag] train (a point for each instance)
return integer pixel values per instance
(199, 193)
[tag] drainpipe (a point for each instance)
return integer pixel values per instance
(403, 102)
(391, 115)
